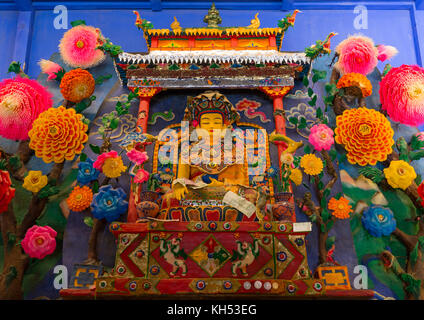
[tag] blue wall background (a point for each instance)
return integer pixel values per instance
(27, 32)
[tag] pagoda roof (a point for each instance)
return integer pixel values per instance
(215, 56)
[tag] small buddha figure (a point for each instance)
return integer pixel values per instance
(210, 114)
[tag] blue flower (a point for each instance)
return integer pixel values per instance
(378, 221)
(109, 203)
(86, 172)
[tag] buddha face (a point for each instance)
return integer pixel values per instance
(211, 121)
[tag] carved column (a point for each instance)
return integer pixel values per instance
(145, 95)
(277, 94)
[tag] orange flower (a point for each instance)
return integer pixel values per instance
(80, 198)
(356, 80)
(58, 134)
(77, 85)
(341, 208)
(366, 135)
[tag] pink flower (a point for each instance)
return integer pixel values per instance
(402, 94)
(321, 137)
(141, 176)
(138, 157)
(386, 52)
(195, 123)
(98, 164)
(39, 241)
(78, 47)
(50, 68)
(357, 54)
(21, 101)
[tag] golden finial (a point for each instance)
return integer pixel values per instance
(175, 26)
(255, 23)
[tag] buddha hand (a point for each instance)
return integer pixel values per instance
(179, 191)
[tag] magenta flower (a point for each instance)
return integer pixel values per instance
(357, 54)
(78, 47)
(137, 157)
(402, 94)
(321, 137)
(141, 176)
(39, 241)
(98, 164)
(386, 52)
(21, 101)
(50, 68)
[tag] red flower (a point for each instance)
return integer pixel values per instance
(6, 192)
(421, 192)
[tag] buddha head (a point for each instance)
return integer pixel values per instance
(210, 111)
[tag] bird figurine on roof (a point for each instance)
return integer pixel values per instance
(142, 23)
(320, 47)
(254, 23)
(175, 26)
(289, 20)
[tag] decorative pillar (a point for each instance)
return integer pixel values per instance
(145, 95)
(277, 94)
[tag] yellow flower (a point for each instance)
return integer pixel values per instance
(286, 158)
(400, 174)
(80, 198)
(340, 208)
(35, 181)
(296, 176)
(311, 164)
(113, 167)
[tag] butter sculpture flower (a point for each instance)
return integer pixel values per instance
(402, 94)
(357, 54)
(296, 176)
(110, 163)
(21, 101)
(109, 203)
(77, 85)
(340, 208)
(137, 157)
(86, 172)
(386, 52)
(80, 198)
(321, 137)
(356, 81)
(420, 191)
(58, 134)
(378, 221)
(400, 174)
(39, 242)
(35, 181)
(366, 135)
(6, 192)
(311, 164)
(78, 47)
(50, 68)
(141, 176)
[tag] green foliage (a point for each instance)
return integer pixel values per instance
(83, 157)
(313, 101)
(78, 23)
(47, 191)
(376, 175)
(386, 69)
(15, 67)
(331, 90)
(330, 241)
(95, 149)
(333, 154)
(307, 148)
(305, 81)
(109, 48)
(3, 164)
(303, 123)
(415, 143)
(89, 221)
(413, 285)
(123, 108)
(84, 104)
(318, 75)
(101, 79)
(293, 120)
(15, 162)
(416, 155)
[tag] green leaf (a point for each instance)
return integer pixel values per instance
(305, 81)
(307, 148)
(319, 113)
(313, 218)
(338, 196)
(101, 79)
(293, 120)
(313, 101)
(414, 254)
(413, 285)
(327, 193)
(318, 75)
(83, 157)
(15, 162)
(114, 123)
(415, 143)
(416, 155)
(333, 154)
(89, 221)
(320, 185)
(3, 164)
(78, 23)
(329, 100)
(330, 241)
(95, 186)
(14, 67)
(303, 123)
(329, 225)
(418, 179)
(374, 174)
(310, 92)
(47, 191)
(95, 149)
